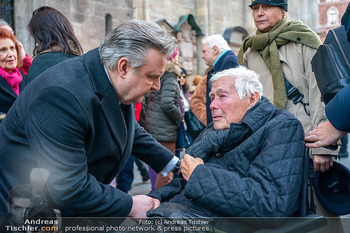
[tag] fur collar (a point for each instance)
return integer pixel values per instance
(172, 67)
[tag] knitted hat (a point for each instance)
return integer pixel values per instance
(174, 55)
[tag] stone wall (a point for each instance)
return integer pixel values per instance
(87, 17)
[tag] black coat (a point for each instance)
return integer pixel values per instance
(8, 95)
(227, 61)
(44, 61)
(69, 121)
(260, 177)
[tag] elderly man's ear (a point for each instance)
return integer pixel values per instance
(253, 99)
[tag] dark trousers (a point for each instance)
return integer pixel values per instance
(142, 167)
(126, 176)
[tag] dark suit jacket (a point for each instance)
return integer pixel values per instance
(227, 61)
(68, 120)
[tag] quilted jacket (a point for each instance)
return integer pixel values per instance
(261, 177)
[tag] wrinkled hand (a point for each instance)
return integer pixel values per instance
(188, 165)
(325, 134)
(141, 204)
(322, 162)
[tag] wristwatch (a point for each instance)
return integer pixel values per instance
(176, 168)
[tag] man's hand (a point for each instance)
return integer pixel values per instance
(324, 135)
(188, 165)
(322, 162)
(156, 203)
(141, 204)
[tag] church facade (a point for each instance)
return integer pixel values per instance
(188, 20)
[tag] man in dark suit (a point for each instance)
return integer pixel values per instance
(217, 53)
(77, 121)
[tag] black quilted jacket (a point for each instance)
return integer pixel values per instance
(261, 177)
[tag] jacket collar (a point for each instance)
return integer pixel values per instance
(96, 72)
(121, 125)
(259, 114)
(218, 63)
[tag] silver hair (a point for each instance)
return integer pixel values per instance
(246, 81)
(132, 40)
(218, 41)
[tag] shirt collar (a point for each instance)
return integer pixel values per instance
(109, 78)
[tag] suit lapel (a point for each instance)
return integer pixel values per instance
(114, 118)
(121, 126)
(109, 102)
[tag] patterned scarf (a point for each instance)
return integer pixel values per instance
(219, 141)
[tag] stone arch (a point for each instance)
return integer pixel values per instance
(235, 36)
(186, 31)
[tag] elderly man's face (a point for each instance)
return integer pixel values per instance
(209, 55)
(132, 84)
(226, 106)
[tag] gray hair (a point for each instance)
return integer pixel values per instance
(247, 81)
(218, 41)
(132, 40)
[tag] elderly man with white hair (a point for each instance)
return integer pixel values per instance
(216, 54)
(247, 162)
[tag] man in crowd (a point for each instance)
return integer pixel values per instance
(77, 121)
(217, 54)
(247, 163)
(19, 202)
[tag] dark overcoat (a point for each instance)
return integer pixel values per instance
(8, 95)
(44, 61)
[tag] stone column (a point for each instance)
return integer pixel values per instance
(202, 20)
(23, 13)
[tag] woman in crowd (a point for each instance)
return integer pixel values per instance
(12, 80)
(162, 115)
(184, 139)
(54, 38)
(281, 52)
(26, 60)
